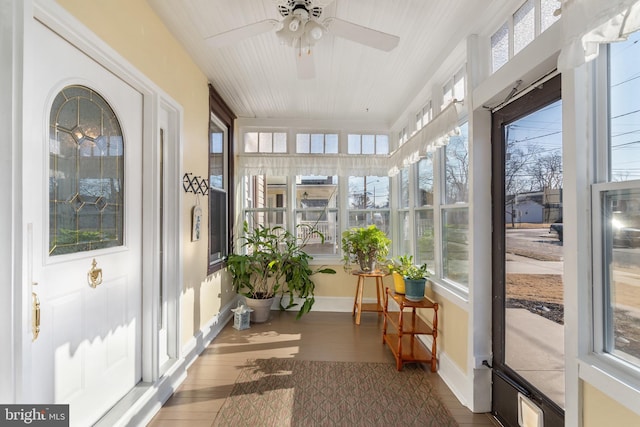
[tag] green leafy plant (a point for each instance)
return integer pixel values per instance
(273, 263)
(365, 246)
(415, 272)
(400, 264)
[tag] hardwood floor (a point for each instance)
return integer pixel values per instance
(317, 336)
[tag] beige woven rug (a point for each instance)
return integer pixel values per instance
(289, 392)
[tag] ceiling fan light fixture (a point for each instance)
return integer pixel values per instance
(294, 24)
(292, 29)
(314, 30)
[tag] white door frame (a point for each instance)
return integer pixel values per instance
(15, 364)
(12, 315)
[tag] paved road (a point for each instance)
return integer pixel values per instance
(535, 241)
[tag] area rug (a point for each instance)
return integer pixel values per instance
(289, 392)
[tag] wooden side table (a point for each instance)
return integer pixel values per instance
(403, 340)
(358, 306)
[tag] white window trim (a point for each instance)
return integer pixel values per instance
(614, 376)
(610, 375)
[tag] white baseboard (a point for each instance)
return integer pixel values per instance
(450, 373)
(207, 333)
(146, 399)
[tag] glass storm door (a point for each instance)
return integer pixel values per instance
(528, 324)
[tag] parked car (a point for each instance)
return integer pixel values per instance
(556, 227)
(623, 236)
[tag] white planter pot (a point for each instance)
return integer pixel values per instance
(261, 309)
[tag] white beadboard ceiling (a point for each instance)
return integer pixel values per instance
(257, 76)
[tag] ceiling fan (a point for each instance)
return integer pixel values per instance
(301, 27)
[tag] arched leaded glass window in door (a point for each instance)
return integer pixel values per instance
(86, 173)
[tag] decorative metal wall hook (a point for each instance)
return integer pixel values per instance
(195, 184)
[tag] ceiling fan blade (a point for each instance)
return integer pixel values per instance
(363, 35)
(241, 33)
(305, 64)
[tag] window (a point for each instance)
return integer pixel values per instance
(455, 209)
(500, 47)
(404, 188)
(454, 88)
(616, 210)
(424, 221)
(219, 151)
(521, 29)
(86, 173)
(403, 225)
(548, 13)
(455, 245)
(266, 200)
(218, 203)
(459, 80)
(457, 168)
(523, 26)
(367, 144)
(404, 233)
(317, 209)
(265, 142)
(447, 93)
(620, 222)
(427, 113)
(402, 136)
(369, 202)
(317, 143)
(424, 116)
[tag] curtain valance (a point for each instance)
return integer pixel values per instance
(435, 134)
(588, 23)
(312, 164)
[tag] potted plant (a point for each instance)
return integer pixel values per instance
(273, 263)
(415, 279)
(398, 267)
(365, 246)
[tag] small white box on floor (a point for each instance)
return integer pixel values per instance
(241, 315)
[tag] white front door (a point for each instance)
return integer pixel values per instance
(83, 202)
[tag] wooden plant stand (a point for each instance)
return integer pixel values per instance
(404, 343)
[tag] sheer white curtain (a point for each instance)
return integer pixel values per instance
(588, 23)
(312, 164)
(435, 134)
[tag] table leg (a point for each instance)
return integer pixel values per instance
(359, 295)
(379, 291)
(355, 299)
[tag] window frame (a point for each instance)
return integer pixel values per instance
(613, 374)
(225, 120)
(621, 376)
(437, 210)
(511, 24)
(310, 135)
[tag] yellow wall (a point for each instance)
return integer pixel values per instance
(343, 284)
(132, 29)
(453, 329)
(600, 410)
